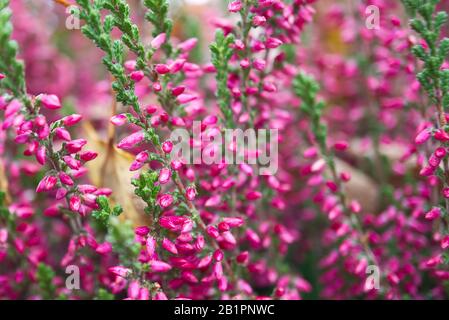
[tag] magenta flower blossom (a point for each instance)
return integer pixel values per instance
(49, 101)
(165, 200)
(159, 266)
(71, 119)
(119, 119)
(46, 184)
(158, 41)
(167, 146)
(164, 176)
(120, 271)
(162, 69)
(235, 6)
(131, 140)
(75, 145)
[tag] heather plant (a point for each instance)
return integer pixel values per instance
(91, 190)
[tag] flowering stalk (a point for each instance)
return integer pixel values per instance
(146, 184)
(51, 144)
(307, 88)
(434, 79)
(221, 54)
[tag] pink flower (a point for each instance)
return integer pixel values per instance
(130, 65)
(2, 76)
(212, 231)
(88, 155)
(164, 175)
(186, 98)
(178, 90)
(71, 119)
(167, 146)
(235, 6)
(158, 41)
(120, 271)
(253, 195)
(104, 248)
(259, 64)
(218, 255)
(142, 156)
(131, 140)
(188, 45)
(46, 184)
(151, 246)
(49, 101)
(177, 65)
(142, 231)
(136, 165)
(160, 296)
(162, 68)
(233, 222)
(157, 87)
(63, 134)
(341, 145)
(213, 201)
(273, 43)
(433, 214)
(176, 165)
(159, 266)
(75, 145)
(137, 75)
(423, 136)
(259, 21)
(190, 193)
(119, 119)
(169, 246)
(41, 155)
(441, 135)
(65, 179)
(134, 290)
(71, 162)
(242, 257)
(244, 63)
(175, 223)
(75, 203)
(165, 200)
(151, 109)
(445, 242)
(440, 152)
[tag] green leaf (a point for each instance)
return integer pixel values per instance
(45, 276)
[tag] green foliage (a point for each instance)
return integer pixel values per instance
(99, 33)
(45, 276)
(121, 236)
(221, 54)
(120, 18)
(158, 16)
(103, 294)
(146, 188)
(104, 213)
(5, 216)
(307, 88)
(10, 66)
(428, 24)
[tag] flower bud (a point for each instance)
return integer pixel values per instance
(131, 140)
(49, 101)
(433, 214)
(235, 6)
(158, 41)
(71, 119)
